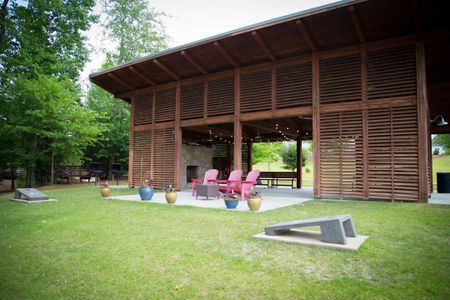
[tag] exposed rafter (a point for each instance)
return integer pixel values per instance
(167, 69)
(357, 24)
(263, 44)
(121, 81)
(305, 33)
(216, 131)
(194, 62)
(269, 127)
(227, 54)
(139, 74)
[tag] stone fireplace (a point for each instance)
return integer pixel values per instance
(196, 160)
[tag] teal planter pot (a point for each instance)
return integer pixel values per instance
(231, 204)
(146, 193)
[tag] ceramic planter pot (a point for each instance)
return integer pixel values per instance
(146, 193)
(254, 203)
(105, 191)
(231, 204)
(171, 197)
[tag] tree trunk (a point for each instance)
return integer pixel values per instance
(31, 180)
(52, 171)
(13, 175)
(112, 159)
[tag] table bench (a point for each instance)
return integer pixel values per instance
(277, 178)
(333, 229)
(68, 172)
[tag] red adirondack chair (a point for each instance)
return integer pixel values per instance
(242, 187)
(227, 185)
(210, 177)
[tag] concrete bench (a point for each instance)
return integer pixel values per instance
(333, 229)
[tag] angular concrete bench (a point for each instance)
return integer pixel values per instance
(333, 229)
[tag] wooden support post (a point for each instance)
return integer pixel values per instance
(423, 121)
(237, 121)
(228, 163)
(178, 139)
(152, 141)
(130, 147)
(365, 113)
(316, 123)
(250, 154)
(299, 162)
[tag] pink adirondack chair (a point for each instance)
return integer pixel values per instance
(230, 183)
(210, 177)
(244, 187)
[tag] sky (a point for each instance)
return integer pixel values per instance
(197, 19)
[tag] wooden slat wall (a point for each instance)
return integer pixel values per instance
(341, 155)
(141, 156)
(192, 97)
(294, 86)
(165, 105)
(143, 109)
(391, 72)
(340, 79)
(393, 153)
(256, 91)
(221, 96)
(164, 153)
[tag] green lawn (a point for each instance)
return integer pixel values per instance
(85, 247)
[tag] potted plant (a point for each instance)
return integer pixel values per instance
(254, 200)
(105, 189)
(146, 190)
(231, 200)
(171, 195)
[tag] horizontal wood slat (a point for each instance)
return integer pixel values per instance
(391, 72)
(294, 86)
(340, 79)
(164, 155)
(165, 105)
(221, 96)
(141, 156)
(393, 153)
(256, 91)
(192, 97)
(143, 110)
(341, 155)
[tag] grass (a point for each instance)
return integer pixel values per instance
(85, 247)
(441, 163)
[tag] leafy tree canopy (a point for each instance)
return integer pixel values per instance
(265, 152)
(443, 140)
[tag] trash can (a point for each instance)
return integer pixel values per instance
(443, 182)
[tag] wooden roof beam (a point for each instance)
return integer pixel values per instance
(227, 54)
(305, 33)
(121, 81)
(194, 62)
(167, 69)
(139, 74)
(263, 45)
(265, 126)
(356, 24)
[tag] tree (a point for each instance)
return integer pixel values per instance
(265, 152)
(136, 29)
(288, 154)
(52, 124)
(41, 45)
(443, 140)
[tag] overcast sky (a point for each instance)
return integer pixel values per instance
(197, 19)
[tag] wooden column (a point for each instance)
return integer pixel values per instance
(152, 141)
(178, 138)
(423, 122)
(316, 123)
(130, 147)
(299, 162)
(237, 121)
(250, 154)
(365, 113)
(228, 166)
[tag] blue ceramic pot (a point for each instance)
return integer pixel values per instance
(231, 204)
(146, 193)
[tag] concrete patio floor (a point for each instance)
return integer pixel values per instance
(273, 198)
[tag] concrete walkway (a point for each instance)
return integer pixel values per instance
(272, 199)
(439, 198)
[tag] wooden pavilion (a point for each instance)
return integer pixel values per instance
(362, 79)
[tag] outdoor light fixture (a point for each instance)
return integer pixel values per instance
(439, 120)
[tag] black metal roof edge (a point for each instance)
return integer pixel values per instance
(267, 23)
